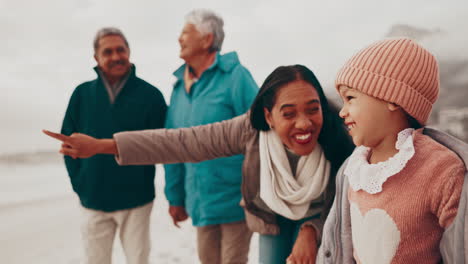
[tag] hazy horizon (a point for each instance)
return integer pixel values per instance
(47, 47)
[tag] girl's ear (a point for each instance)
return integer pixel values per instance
(393, 107)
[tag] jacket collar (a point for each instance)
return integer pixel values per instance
(225, 63)
(131, 76)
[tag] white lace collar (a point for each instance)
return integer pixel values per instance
(371, 177)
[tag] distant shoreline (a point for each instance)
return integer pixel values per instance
(34, 157)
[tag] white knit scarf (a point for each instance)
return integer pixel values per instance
(279, 189)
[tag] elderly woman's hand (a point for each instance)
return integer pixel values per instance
(83, 146)
(305, 248)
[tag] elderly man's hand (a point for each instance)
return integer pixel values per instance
(305, 248)
(80, 145)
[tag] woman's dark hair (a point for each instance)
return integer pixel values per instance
(334, 138)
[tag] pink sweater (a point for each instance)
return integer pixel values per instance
(404, 223)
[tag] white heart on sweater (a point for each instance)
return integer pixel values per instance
(375, 236)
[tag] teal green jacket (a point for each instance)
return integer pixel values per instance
(209, 190)
(99, 181)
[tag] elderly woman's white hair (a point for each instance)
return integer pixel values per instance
(206, 22)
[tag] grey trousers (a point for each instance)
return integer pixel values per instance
(224, 243)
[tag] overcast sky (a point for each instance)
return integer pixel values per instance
(46, 48)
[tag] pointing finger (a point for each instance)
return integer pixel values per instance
(58, 136)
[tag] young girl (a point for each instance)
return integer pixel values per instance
(399, 196)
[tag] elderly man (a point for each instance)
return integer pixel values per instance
(210, 87)
(112, 196)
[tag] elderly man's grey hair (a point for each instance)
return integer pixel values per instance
(206, 21)
(108, 31)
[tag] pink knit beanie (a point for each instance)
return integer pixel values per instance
(398, 71)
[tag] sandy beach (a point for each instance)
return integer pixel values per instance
(40, 219)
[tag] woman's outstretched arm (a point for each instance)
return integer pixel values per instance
(221, 139)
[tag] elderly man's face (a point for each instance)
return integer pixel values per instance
(193, 43)
(112, 57)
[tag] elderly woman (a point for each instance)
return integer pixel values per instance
(293, 142)
(210, 87)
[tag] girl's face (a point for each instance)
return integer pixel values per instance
(296, 116)
(366, 117)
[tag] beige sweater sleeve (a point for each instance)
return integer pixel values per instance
(194, 144)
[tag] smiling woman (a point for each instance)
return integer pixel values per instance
(293, 142)
(296, 116)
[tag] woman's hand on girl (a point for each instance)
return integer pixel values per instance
(305, 248)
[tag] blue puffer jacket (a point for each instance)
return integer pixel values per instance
(210, 190)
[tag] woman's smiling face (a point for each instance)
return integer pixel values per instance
(296, 116)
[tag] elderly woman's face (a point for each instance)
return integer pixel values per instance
(297, 116)
(192, 42)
